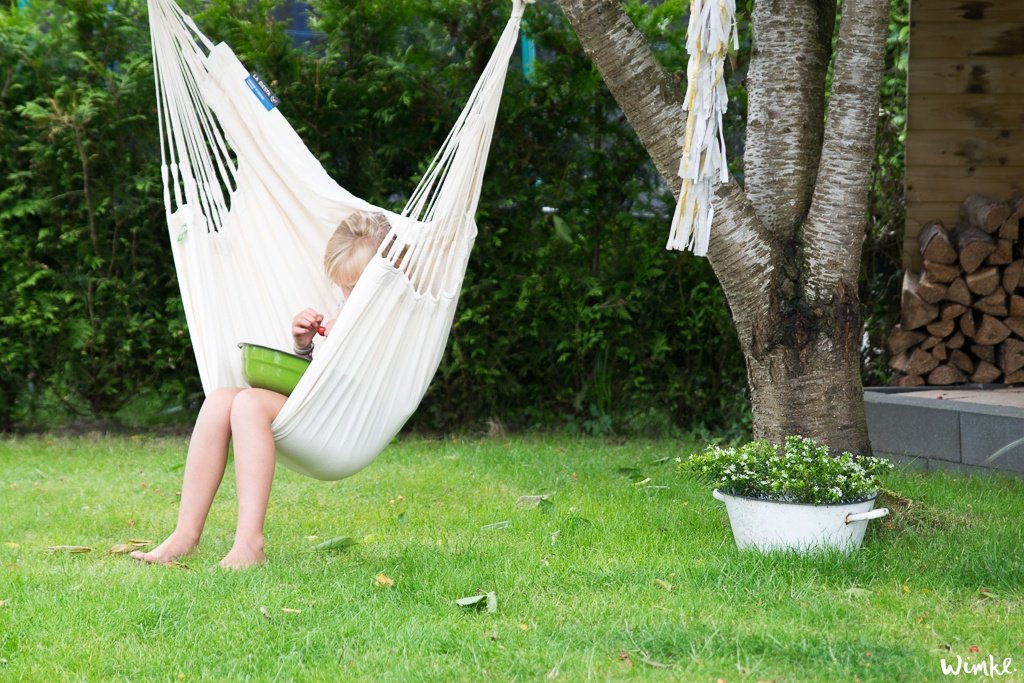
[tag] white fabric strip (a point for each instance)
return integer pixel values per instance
(703, 165)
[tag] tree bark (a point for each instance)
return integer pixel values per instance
(785, 108)
(786, 249)
(834, 231)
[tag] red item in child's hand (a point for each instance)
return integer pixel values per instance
(321, 330)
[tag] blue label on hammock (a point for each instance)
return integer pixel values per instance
(262, 91)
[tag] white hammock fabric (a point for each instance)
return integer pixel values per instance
(249, 211)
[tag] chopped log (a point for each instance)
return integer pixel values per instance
(1015, 378)
(957, 341)
(983, 282)
(961, 360)
(967, 325)
(1002, 255)
(940, 352)
(1011, 356)
(909, 381)
(951, 310)
(984, 212)
(931, 291)
(958, 292)
(935, 243)
(930, 343)
(916, 362)
(1017, 306)
(900, 361)
(974, 246)
(900, 340)
(993, 304)
(1016, 325)
(991, 331)
(913, 362)
(915, 312)
(946, 374)
(941, 272)
(985, 373)
(1011, 276)
(985, 353)
(941, 328)
(1010, 229)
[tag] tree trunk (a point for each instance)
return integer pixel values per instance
(787, 248)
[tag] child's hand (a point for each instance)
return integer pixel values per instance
(304, 327)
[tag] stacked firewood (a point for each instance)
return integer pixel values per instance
(963, 315)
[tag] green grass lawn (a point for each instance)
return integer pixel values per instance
(615, 578)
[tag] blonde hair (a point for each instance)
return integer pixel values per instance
(354, 242)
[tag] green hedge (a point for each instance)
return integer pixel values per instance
(576, 317)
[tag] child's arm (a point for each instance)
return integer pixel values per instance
(304, 326)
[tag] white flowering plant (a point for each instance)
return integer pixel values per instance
(801, 471)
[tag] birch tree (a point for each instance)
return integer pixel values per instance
(786, 246)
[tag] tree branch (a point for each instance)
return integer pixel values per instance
(652, 103)
(647, 94)
(834, 231)
(741, 256)
(792, 43)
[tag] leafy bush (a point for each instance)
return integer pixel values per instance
(881, 274)
(799, 472)
(90, 312)
(571, 315)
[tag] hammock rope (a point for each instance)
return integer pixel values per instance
(249, 210)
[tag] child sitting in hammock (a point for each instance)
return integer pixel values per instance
(244, 416)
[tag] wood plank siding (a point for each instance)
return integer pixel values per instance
(965, 109)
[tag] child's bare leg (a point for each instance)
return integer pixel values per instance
(204, 469)
(252, 412)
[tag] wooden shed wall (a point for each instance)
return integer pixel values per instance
(965, 109)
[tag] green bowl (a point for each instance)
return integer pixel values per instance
(266, 368)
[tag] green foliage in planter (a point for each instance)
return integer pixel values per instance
(802, 471)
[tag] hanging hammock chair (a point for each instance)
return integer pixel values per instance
(249, 211)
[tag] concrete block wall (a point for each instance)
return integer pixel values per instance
(943, 434)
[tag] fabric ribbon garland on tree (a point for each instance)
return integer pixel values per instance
(711, 30)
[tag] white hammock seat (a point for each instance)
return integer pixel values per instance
(249, 211)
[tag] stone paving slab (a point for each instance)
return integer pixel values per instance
(1010, 396)
(983, 437)
(914, 430)
(953, 428)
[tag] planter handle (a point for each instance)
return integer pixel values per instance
(863, 516)
(717, 496)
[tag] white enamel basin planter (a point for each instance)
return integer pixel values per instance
(770, 525)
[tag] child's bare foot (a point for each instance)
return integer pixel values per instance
(244, 555)
(175, 546)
